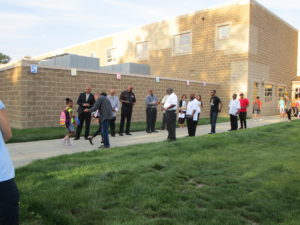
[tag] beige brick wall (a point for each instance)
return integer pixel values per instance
(38, 103)
(275, 59)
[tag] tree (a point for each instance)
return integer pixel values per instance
(4, 58)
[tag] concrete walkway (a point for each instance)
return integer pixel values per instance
(24, 153)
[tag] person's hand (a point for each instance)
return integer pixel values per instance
(86, 110)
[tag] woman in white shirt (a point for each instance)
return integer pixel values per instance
(192, 115)
(9, 195)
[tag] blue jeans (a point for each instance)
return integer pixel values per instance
(213, 121)
(105, 126)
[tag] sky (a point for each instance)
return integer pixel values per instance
(33, 27)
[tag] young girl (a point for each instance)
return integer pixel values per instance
(70, 120)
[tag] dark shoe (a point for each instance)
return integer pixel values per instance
(211, 133)
(128, 134)
(155, 131)
(91, 140)
(148, 132)
(86, 138)
(76, 139)
(230, 130)
(113, 135)
(121, 134)
(102, 141)
(162, 128)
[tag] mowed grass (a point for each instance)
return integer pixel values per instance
(50, 133)
(245, 177)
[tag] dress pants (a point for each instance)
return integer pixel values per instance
(151, 114)
(191, 126)
(234, 122)
(83, 117)
(213, 121)
(9, 203)
(105, 126)
(126, 113)
(112, 125)
(164, 122)
(171, 124)
(243, 119)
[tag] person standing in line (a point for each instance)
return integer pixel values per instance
(288, 108)
(215, 108)
(128, 101)
(103, 105)
(85, 101)
(9, 194)
(151, 111)
(200, 104)
(243, 111)
(281, 107)
(257, 109)
(182, 111)
(170, 107)
(234, 109)
(114, 100)
(164, 120)
(192, 115)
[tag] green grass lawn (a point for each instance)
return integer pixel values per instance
(245, 177)
(37, 134)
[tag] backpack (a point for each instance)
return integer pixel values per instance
(63, 117)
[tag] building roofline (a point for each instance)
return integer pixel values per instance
(255, 2)
(234, 2)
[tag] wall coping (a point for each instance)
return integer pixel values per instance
(27, 63)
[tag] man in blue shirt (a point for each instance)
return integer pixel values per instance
(151, 111)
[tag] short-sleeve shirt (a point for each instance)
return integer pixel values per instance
(127, 96)
(191, 106)
(281, 103)
(244, 102)
(214, 104)
(171, 100)
(257, 104)
(7, 171)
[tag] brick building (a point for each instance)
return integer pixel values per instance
(236, 47)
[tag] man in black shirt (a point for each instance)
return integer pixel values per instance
(128, 101)
(215, 108)
(85, 100)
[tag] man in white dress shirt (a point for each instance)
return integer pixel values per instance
(234, 109)
(170, 107)
(193, 109)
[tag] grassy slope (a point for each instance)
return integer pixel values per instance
(245, 177)
(36, 134)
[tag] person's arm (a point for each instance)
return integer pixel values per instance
(4, 125)
(220, 106)
(122, 98)
(79, 101)
(238, 107)
(148, 102)
(95, 107)
(134, 99)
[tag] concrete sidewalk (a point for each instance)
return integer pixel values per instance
(24, 153)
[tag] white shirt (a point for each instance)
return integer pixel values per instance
(234, 106)
(171, 100)
(87, 96)
(199, 105)
(193, 105)
(7, 170)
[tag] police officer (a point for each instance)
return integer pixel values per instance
(128, 100)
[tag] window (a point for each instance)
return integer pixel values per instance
(182, 43)
(297, 93)
(223, 32)
(141, 50)
(111, 55)
(255, 90)
(280, 92)
(268, 93)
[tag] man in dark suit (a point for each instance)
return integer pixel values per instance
(85, 100)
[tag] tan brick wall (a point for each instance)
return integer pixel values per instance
(43, 95)
(275, 61)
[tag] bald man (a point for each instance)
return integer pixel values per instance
(128, 100)
(86, 100)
